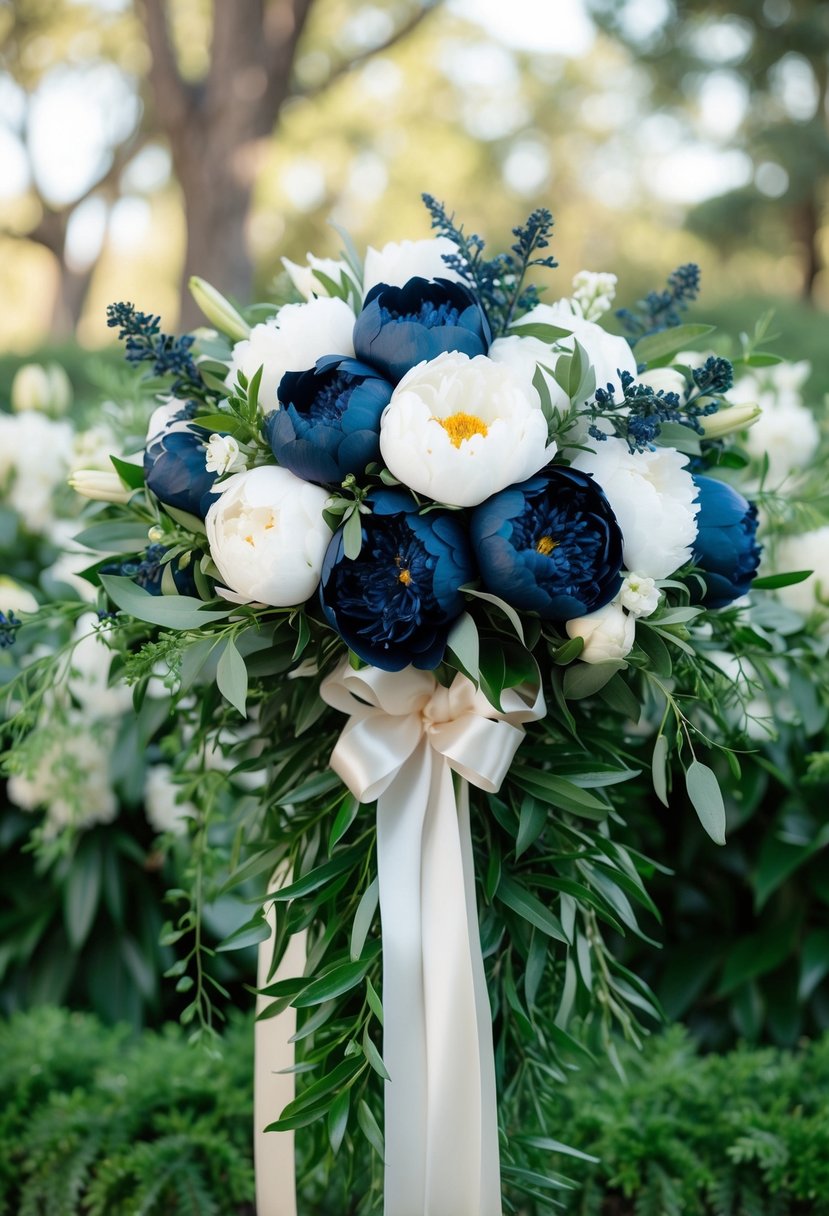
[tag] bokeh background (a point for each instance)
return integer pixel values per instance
(143, 141)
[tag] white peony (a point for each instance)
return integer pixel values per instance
(267, 536)
(664, 379)
(458, 429)
(608, 633)
(162, 802)
(786, 430)
(608, 353)
(292, 342)
(639, 595)
(524, 356)
(652, 496)
(399, 261)
(223, 455)
(14, 598)
(306, 282)
(808, 551)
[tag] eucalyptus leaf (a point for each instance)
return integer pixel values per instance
(706, 799)
(535, 329)
(363, 919)
(668, 341)
(659, 771)
(170, 611)
(232, 677)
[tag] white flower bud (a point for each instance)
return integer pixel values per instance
(608, 633)
(664, 379)
(47, 389)
(219, 311)
(727, 421)
(99, 486)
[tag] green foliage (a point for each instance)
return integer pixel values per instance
(714, 1135)
(93, 1121)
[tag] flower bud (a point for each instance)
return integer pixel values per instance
(608, 633)
(14, 598)
(99, 485)
(44, 388)
(219, 311)
(727, 421)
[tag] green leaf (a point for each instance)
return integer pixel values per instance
(349, 808)
(170, 611)
(668, 342)
(706, 799)
(81, 894)
(531, 823)
(363, 918)
(558, 791)
(585, 679)
(530, 908)
(544, 333)
(568, 651)
(659, 771)
(232, 677)
(368, 1125)
(338, 1119)
(131, 474)
(320, 876)
(374, 1002)
(353, 536)
(543, 389)
(114, 536)
(373, 1055)
(341, 978)
(256, 930)
(814, 962)
(508, 611)
(464, 644)
(771, 582)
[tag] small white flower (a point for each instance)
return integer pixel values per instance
(399, 261)
(608, 353)
(593, 293)
(44, 388)
(608, 633)
(162, 802)
(307, 282)
(223, 456)
(640, 595)
(100, 486)
(292, 341)
(664, 379)
(653, 497)
(458, 429)
(267, 536)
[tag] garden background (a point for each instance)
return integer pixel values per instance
(143, 143)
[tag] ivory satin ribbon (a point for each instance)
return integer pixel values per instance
(405, 739)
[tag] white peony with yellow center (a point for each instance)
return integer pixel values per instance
(267, 536)
(457, 429)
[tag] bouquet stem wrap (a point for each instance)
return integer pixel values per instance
(405, 739)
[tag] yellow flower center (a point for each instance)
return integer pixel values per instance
(404, 577)
(462, 426)
(545, 545)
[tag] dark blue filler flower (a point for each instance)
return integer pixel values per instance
(726, 549)
(174, 469)
(393, 605)
(401, 326)
(147, 570)
(550, 545)
(329, 423)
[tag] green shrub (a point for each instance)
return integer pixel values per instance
(744, 1134)
(97, 1122)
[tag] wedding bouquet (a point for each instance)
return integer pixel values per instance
(465, 554)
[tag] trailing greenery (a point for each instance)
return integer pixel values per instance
(96, 1122)
(745, 1134)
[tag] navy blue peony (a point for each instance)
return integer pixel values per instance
(329, 423)
(393, 605)
(726, 549)
(401, 326)
(174, 469)
(550, 545)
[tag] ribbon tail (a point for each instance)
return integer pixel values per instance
(400, 814)
(490, 1158)
(273, 1089)
(462, 1123)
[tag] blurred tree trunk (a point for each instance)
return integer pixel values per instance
(807, 225)
(215, 126)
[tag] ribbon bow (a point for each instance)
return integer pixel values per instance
(405, 737)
